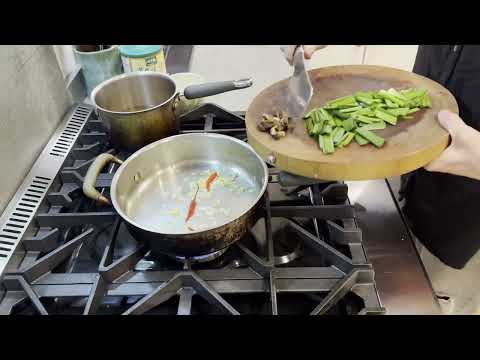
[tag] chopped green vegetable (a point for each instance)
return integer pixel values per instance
(370, 136)
(338, 135)
(355, 117)
(327, 129)
(340, 115)
(328, 147)
(365, 100)
(343, 102)
(347, 138)
(366, 119)
(349, 124)
(361, 140)
(351, 109)
(309, 125)
(398, 111)
(385, 116)
(317, 129)
(390, 104)
(375, 126)
(321, 143)
(365, 111)
(338, 122)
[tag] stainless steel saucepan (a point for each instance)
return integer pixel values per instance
(139, 108)
(154, 188)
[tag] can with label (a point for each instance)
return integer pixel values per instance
(143, 58)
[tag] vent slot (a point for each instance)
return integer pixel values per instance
(43, 178)
(12, 231)
(24, 204)
(25, 210)
(21, 215)
(70, 132)
(52, 153)
(2, 255)
(6, 242)
(30, 200)
(39, 187)
(33, 196)
(40, 182)
(67, 137)
(76, 121)
(4, 249)
(17, 220)
(14, 225)
(8, 237)
(35, 191)
(60, 147)
(58, 150)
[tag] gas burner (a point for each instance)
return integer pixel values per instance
(289, 256)
(201, 258)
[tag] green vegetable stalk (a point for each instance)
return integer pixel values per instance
(357, 116)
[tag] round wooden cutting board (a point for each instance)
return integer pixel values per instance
(410, 145)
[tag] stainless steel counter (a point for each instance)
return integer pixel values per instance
(401, 280)
(402, 283)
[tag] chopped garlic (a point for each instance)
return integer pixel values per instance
(174, 212)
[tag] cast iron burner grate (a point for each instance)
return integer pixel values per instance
(305, 256)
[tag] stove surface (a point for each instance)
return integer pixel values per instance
(304, 256)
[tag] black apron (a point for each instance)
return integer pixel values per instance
(444, 210)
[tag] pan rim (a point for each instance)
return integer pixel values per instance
(117, 175)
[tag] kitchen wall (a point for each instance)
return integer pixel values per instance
(33, 99)
(266, 65)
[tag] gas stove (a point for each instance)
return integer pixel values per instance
(60, 253)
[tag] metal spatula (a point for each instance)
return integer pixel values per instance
(300, 88)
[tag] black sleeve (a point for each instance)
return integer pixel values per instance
(422, 61)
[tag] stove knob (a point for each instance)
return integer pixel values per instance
(271, 159)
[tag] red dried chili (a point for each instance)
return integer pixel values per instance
(211, 179)
(193, 206)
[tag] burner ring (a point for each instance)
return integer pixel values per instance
(285, 259)
(202, 258)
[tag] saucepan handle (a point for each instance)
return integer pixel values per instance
(92, 174)
(213, 88)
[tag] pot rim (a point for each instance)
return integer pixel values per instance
(118, 174)
(128, 75)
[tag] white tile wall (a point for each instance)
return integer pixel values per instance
(266, 65)
(397, 56)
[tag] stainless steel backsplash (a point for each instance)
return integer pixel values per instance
(33, 99)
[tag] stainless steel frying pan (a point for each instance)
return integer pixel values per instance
(153, 189)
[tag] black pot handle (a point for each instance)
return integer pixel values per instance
(213, 88)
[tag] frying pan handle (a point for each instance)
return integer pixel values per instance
(213, 88)
(92, 174)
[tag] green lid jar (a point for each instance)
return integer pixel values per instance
(143, 58)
